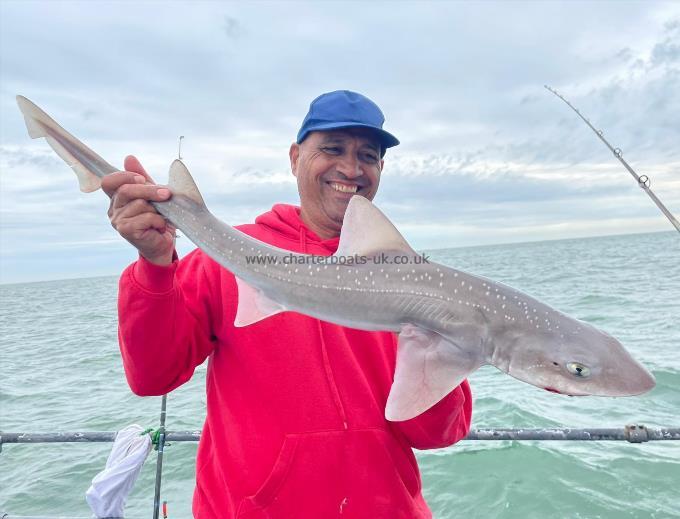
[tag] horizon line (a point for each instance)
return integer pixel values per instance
(526, 242)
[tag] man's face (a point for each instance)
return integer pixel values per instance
(330, 168)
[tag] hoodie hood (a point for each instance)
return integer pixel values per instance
(287, 230)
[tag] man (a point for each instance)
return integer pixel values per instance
(295, 423)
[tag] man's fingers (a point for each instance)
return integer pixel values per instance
(132, 209)
(131, 163)
(128, 192)
(135, 228)
(111, 183)
(132, 214)
(134, 173)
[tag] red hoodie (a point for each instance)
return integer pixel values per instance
(295, 423)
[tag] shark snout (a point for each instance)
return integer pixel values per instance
(648, 382)
(633, 379)
(639, 382)
(620, 373)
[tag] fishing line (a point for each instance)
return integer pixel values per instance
(643, 180)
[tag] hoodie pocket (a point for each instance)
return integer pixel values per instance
(342, 474)
(270, 488)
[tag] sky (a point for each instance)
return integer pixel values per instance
(487, 155)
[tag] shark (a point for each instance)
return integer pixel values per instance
(449, 322)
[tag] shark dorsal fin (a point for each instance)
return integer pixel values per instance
(366, 231)
(181, 182)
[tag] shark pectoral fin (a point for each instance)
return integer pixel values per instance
(428, 368)
(366, 231)
(181, 182)
(253, 305)
(70, 149)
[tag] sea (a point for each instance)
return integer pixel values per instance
(60, 370)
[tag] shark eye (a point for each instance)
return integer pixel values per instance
(577, 369)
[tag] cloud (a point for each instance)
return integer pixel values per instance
(232, 27)
(485, 149)
(15, 157)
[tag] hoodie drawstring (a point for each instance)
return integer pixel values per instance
(324, 351)
(331, 379)
(303, 239)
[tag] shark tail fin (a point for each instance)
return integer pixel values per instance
(87, 165)
(181, 182)
(32, 117)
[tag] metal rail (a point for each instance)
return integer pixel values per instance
(629, 433)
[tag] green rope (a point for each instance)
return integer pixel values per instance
(155, 436)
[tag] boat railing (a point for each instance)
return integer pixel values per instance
(631, 433)
(634, 433)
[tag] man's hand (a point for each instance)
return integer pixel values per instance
(134, 217)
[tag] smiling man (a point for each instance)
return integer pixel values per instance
(332, 162)
(295, 421)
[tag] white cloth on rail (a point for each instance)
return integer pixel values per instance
(110, 488)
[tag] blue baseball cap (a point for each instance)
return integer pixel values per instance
(345, 109)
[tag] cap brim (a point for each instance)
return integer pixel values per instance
(386, 138)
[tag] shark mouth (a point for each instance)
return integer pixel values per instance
(553, 390)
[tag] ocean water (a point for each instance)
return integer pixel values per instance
(61, 371)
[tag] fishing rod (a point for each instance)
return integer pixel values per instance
(643, 180)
